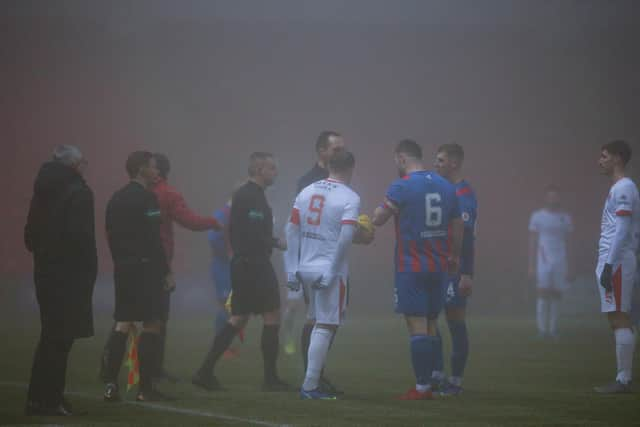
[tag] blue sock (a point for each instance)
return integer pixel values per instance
(459, 347)
(438, 358)
(222, 317)
(420, 358)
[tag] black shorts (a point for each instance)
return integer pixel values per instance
(254, 285)
(139, 294)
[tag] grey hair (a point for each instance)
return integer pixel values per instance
(67, 155)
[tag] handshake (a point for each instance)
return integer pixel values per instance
(294, 281)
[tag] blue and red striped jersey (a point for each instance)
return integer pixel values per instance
(469, 211)
(424, 204)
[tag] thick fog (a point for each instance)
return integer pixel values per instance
(530, 89)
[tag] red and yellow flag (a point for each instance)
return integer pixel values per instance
(133, 377)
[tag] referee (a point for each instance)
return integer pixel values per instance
(141, 274)
(253, 281)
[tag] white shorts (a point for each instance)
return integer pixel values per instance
(620, 298)
(552, 276)
(326, 306)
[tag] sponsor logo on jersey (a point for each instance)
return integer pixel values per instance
(255, 215)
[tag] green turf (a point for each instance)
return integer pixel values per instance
(512, 379)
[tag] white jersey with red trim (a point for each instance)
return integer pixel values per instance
(553, 228)
(321, 209)
(623, 200)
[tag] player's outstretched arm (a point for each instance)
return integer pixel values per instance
(183, 215)
(383, 212)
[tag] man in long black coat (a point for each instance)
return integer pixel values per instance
(60, 233)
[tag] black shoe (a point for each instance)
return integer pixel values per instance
(276, 385)
(111, 393)
(153, 396)
(207, 382)
(325, 386)
(67, 405)
(35, 409)
(165, 376)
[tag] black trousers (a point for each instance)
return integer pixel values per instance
(49, 371)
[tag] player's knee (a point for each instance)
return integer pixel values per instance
(331, 328)
(418, 325)
(455, 314)
(619, 320)
(153, 327)
(271, 318)
(123, 327)
(238, 322)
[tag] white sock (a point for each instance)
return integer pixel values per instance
(318, 349)
(541, 315)
(423, 388)
(456, 381)
(625, 344)
(553, 316)
(438, 375)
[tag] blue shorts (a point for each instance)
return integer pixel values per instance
(420, 294)
(453, 298)
(221, 276)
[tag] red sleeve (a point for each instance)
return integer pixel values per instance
(184, 216)
(295, 216)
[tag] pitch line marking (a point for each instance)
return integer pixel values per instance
(157, 407)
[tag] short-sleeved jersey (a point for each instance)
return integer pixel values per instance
(321, 209)
(623, 200)
(469, 212)
(251, 223)
(553, 228)
(424, 204)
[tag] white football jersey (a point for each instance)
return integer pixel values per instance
(623, 200)
(553, 228)
(321, 209)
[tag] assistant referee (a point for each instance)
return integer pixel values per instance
(253, 281)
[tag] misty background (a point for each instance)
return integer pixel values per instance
(531, 90)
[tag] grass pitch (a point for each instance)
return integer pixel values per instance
(512, 379)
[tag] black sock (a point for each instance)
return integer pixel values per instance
(148, 351)
(113, 355)
(103, 359)
(161, 350)
(270, 345)
(221, 342)
(305, 340)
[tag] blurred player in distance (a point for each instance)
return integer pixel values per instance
(616, 267)
(429, 232)
(448, 164)
(549, 236)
